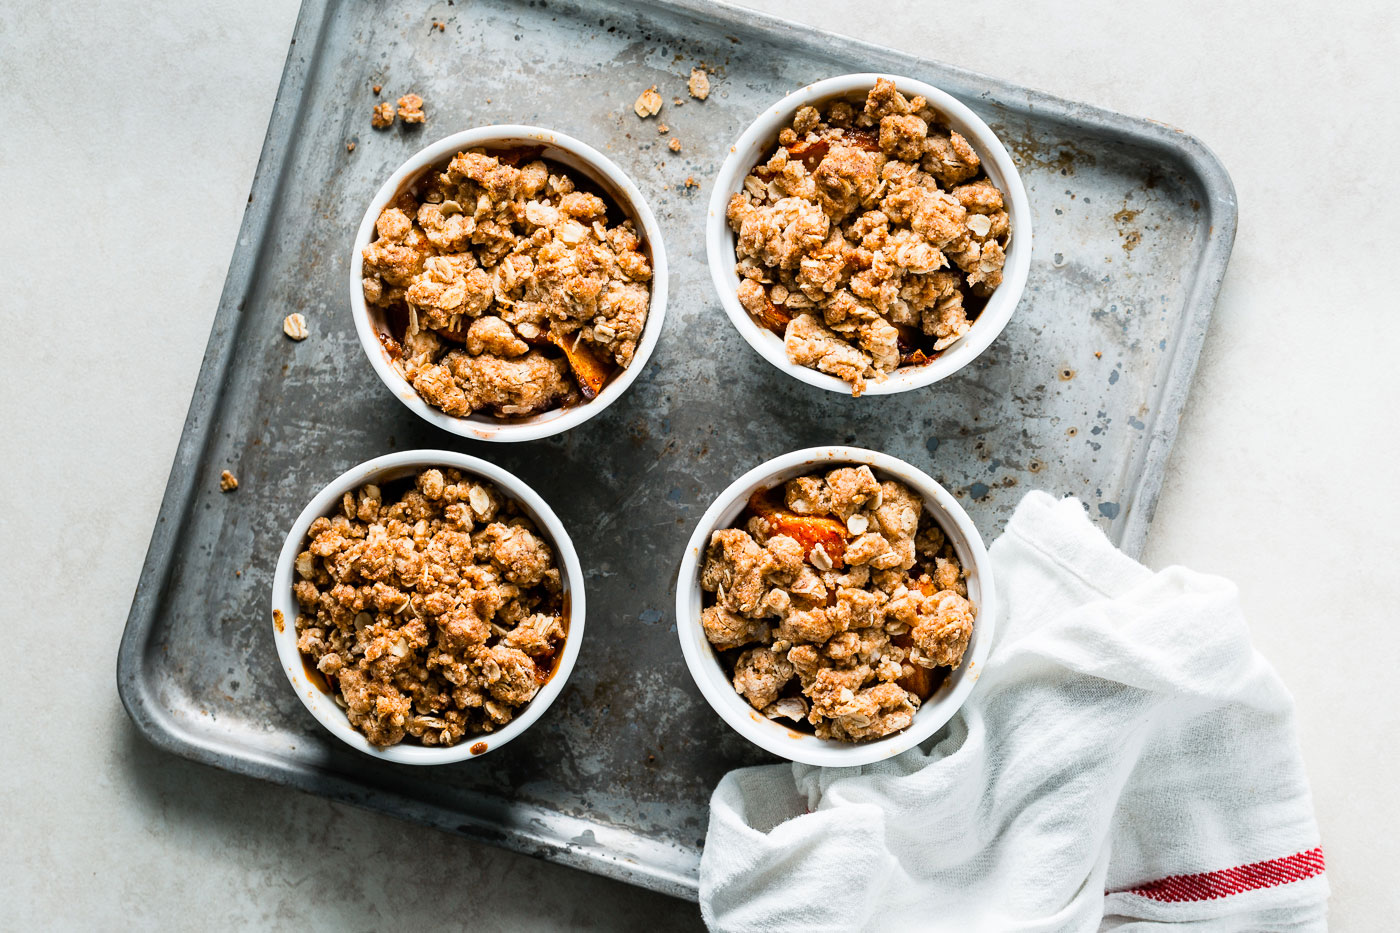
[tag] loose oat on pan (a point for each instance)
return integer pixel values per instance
(648, 103)
(871, 238)
(434, 612)
(294, 326)
(838, 604)
(507, 285)
(699, 84)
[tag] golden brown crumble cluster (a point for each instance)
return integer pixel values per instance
(410, 111)
(436, 615)
(870, 236)
(648, 103)
(699, 84)
(508, 290)
(838, 603)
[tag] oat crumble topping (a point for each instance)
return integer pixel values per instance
(294, 326)
(506, 287)
(871, 238)
(434, 614)
(674, 145)
(227, 481)
(838, 603)
(383, 115)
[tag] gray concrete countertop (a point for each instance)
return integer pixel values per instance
(130, 137)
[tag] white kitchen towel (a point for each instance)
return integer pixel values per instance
(1127, 759)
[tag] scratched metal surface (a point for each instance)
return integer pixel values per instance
(1080, 395)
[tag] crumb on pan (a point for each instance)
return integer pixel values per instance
(871, 238)
(227, 481)
(350, 147)
(434, 614)
(506, 288)
(662, 128)
(377, 88)
(674, 145)
(439, 25)
(383, 116)
(411, 109)
(699, 84)
(294, 326)
(648, 104)
(837, 603)
(690, 182)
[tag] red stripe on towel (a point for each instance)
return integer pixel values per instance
(1213, 884)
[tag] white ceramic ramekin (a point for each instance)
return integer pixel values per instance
(762, 136)
(383, 469)
(574, 155)
(771, 735)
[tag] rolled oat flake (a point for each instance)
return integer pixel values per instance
(294, 326)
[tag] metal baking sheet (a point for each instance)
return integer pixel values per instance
(1081, 394)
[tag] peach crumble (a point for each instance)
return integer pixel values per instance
(837, 604)
(433, 612)
(871, 238)
(507, 285)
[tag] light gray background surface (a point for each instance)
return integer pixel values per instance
(129, 140)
